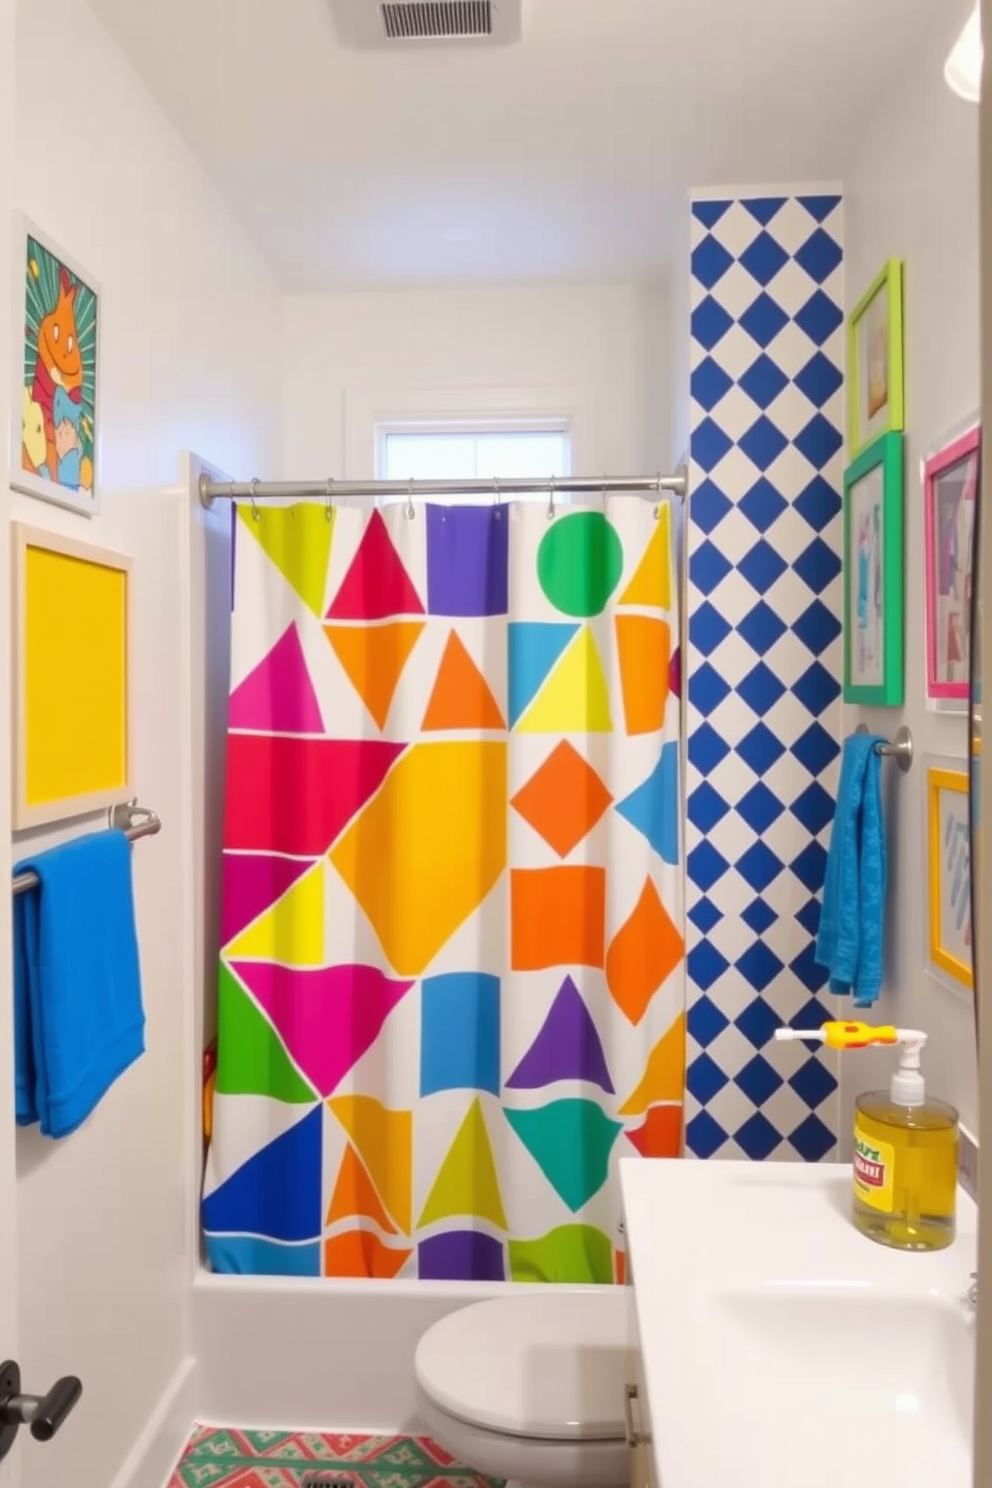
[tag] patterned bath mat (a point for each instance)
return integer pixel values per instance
(222, 1457)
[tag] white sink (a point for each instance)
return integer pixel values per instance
(893, 1363)
(780, 1347)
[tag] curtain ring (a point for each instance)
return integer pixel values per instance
(498, 499)
(329, 507)
(603, 493)
(657, 505)
(410, 511)
(256, 515)
(551, 499)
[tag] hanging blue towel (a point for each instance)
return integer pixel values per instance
(78, 1018)
(850, 940)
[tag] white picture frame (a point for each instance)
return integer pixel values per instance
(56, 371)
(71, 674)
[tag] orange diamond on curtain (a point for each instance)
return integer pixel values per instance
(564, 800)
(645, 950)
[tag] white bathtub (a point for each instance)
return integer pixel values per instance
(333, 1355)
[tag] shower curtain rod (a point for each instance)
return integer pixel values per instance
(567, 485)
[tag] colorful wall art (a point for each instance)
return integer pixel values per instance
(949, 947)
(55, 419)
(72, 690)
(950, 491)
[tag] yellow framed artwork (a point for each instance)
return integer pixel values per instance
(71, 677)
(875, 371)
(949, 941)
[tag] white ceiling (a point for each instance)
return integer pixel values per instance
(563, 157)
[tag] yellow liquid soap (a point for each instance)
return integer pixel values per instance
(905, 1172)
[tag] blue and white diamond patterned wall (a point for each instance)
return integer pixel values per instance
(763, 666)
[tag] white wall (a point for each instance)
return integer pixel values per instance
(191, 356)
(8, 1232)
(914, 195)
(680, 333)
(606, 346)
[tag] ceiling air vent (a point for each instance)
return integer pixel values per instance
(389, 24)
(445, 20)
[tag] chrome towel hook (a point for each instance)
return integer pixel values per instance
(900, 748)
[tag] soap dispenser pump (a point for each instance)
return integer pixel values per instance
(905, 1169)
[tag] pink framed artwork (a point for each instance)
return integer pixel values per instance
(950, 484)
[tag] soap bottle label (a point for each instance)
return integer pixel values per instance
(874, 1171)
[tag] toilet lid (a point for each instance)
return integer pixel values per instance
(537, 1365)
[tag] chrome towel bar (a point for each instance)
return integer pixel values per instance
(133, 820)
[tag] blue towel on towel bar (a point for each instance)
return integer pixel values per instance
(851, 936)
(78, 1017)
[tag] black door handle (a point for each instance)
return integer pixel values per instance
(48, 1413)
(44, 1414)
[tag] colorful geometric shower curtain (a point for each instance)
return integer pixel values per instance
(451, 989)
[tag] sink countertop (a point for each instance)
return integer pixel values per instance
(781, 1348)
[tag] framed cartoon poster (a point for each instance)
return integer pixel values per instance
(950, 488)
(875, 360)
(873, 575)
(55, 418)
(949, 937)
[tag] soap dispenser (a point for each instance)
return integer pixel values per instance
(905, 1170)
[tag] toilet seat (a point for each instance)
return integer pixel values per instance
(540, 1366)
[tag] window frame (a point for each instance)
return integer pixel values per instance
(464, 410)
(472, 427)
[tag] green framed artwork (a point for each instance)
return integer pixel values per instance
(873, 575)
(875, 375)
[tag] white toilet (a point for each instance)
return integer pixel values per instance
(531, 1388)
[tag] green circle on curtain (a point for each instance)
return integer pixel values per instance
(579, 563)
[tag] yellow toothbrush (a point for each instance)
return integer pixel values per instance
(851, 1035)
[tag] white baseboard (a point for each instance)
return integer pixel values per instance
(150, 1462)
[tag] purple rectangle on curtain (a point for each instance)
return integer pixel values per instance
(467, 560)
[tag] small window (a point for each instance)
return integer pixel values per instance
(470, 454)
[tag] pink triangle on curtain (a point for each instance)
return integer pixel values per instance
(278, 696)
